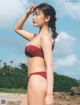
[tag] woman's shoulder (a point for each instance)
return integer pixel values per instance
(46, 36)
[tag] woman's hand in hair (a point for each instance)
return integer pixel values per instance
(31, 9)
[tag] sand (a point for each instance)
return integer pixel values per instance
(59, 99)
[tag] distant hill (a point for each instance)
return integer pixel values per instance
(64, 83)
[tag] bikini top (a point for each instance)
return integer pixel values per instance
(32, 51)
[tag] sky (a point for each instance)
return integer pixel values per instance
(66, 54)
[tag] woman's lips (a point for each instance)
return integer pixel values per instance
(34, 22)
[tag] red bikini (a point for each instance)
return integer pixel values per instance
(42, 73)
(34, 51)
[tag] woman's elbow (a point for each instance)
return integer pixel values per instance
(15, 28)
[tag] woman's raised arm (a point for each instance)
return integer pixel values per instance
(18, 28)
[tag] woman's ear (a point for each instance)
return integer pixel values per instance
(47, 18)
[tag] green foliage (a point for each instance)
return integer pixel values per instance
(64, 83)
(18, 78)
(14, 78)
(12, 90)
(23, 66)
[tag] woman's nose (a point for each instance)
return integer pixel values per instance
(33, 17)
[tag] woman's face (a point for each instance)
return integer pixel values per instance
(38, 18)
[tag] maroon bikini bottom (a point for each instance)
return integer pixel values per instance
(42, 73)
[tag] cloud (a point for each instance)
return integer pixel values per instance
(64, 45)
(64, 50)
(70, 60)
(66, 61)
(10, 10)
(65, 36)
(70, 9)
(13, 10)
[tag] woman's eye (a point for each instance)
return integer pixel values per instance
(36, 14)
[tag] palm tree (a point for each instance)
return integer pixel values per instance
(11, 64)
(5, 65)
(0, 63)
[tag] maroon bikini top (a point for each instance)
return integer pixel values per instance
(33, 51)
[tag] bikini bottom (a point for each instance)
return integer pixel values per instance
(42, 73)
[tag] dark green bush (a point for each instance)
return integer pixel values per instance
(64, 83)
(18, 78)
(15, 78)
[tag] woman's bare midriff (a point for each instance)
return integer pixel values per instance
(35, 64)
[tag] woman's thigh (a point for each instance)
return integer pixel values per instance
(37, 90)
(24, 101)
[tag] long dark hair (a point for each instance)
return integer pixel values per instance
(48, 10)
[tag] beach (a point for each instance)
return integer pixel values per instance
(60, 98)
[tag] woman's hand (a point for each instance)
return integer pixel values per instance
(31, 9)
(49, 99)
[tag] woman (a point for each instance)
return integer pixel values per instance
(39, 53)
